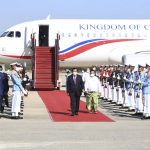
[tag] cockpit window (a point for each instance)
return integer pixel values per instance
(10, 34)
(18, 34)
(4, 34)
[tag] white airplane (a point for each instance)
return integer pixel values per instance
(82, 42)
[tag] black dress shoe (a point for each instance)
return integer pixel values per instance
(130, 110)
(20, 113)
(76, 113)
(135, 114)
(72, 114)
(16, 117)
(13, 117)
(144, 118)
(19, 117)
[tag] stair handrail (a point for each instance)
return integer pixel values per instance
(56, 58)
(33, 45)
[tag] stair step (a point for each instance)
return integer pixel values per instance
(47, 77)
(44, 52)
(48, 59)
(43, 60)
(40, 86)
(44, 71)
(44, 76)
(44, 81)
(43, 66)
(41, 53)
(47, 81)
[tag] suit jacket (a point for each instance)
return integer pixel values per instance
(1, 83)
(5, 82)
(75, 88)
(17, 86)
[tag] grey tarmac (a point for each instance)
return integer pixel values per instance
(37, 131)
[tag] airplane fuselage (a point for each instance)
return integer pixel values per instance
(82, 42)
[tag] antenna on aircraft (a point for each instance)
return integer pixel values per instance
(48, 17)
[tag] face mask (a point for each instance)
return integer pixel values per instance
(88, 71)
(74, 73)
(92, 75)
(18, 69)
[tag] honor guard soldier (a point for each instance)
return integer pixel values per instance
(110, 82)
(138, 78)
(146, 93)
(17, 89)
(119, 85)
(124, 89)
(104, 80)
(113, 81)
(130, 87)
(101, 74)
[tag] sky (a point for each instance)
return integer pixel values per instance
(13, 12)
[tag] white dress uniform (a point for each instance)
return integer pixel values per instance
(119, 93)
(138, 92)
(131, 100)
(16, 90)
(146, 93)
(114, 91)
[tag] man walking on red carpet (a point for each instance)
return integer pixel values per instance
(75, 87)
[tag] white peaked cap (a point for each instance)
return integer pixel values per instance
(132, 64)
(14, 63)
(142, 65)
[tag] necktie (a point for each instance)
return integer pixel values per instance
(74, 79)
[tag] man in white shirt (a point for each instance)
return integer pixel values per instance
(92, 88)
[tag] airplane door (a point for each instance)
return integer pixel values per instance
(43, 35)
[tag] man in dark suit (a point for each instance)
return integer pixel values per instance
(1, 90)
(75, 87)
(6, 89)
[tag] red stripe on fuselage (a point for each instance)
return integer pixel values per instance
(89, 46)
(18, 57)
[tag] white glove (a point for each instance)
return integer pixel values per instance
(24, 79)
(25, 92)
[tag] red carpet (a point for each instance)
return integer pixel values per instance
(58, 105)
